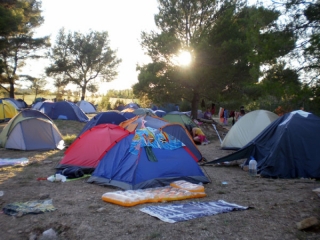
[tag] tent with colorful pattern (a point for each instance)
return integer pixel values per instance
(147, 158)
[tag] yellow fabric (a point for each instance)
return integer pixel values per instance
(7, 111)
(198, 132)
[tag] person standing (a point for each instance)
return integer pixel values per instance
(225, 116)
(241, 114)
(232, 114)
(213, 109)
(207, 114)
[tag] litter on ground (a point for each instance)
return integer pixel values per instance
(13, 161)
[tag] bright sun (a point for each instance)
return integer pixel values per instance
(184, 58)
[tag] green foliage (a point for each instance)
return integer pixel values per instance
(181, 25)
(9, 19)
(80, 59)
(38, 85)
(156, 85)
(93, 88)
(237, 54)
(184, 106)
(118, 103)
(304, 18)
(281, 87)
(105, 104)
(229, 43)
(16, 41)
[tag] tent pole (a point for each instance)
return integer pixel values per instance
(214, 126)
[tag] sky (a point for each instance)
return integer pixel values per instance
(124, 20)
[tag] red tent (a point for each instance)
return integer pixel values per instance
(88, 149)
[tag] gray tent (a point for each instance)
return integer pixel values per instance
(287, 148)
(31, 130)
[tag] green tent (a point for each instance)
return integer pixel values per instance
(181, 118)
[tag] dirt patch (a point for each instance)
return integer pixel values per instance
(277, 204)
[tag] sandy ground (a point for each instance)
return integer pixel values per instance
(276, 205)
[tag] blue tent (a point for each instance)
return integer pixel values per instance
(63, 110)
(44, 107)
(23, 103)
(132, 105)
(287, 148)
(120, 108)
(147, 159)
(153, 107)
(104, 117)
(168, 107)
(160, 113)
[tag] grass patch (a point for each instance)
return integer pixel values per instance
(68, 139)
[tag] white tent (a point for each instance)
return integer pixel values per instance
(86, 107)
(247, 128)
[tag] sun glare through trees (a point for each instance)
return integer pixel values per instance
(183, 59)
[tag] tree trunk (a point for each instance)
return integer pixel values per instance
(195, 104)
(11, 93)
(83, 92)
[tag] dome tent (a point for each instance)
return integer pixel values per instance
(159, 113)
(18, 104)
(287, 148)
(137, 163)
(86, 107)
(174, 129)
(103, 117)
(132, 105)
(31, 130)
(63, 110)
(181, 118)
(87, 150)
(7, 110)
(247, 128)
(100, 137)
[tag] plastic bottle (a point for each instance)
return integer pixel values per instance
(252, 167)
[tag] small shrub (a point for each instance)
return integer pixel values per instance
(68, 139)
